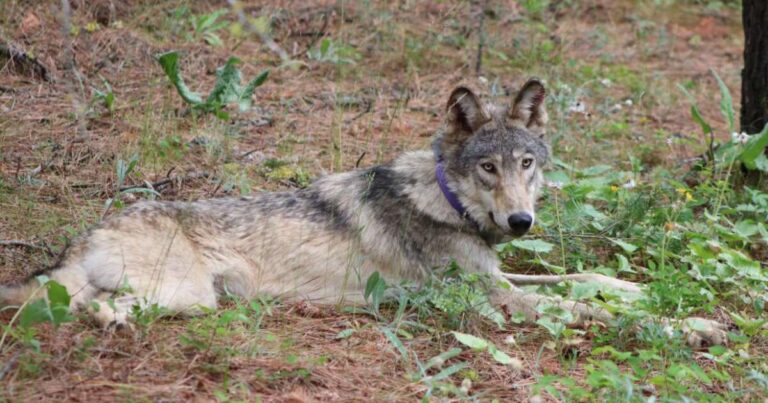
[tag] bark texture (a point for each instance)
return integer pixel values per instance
(754, 77)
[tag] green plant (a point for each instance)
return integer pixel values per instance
(226, 90)
(534, 7)
(122, 170)
(480, 344)
(202, 333)
(698, 250)
(440, 380)
(206, 25)
(106, 97)
(279, 170)
(53, 309)
(332, 52)
(235, 178)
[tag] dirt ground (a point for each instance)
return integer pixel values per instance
(59, 145)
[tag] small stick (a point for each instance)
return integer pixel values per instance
(359, 160)
(483, 4)
(29, 245)
(8, 365)
(165, 181)
(21, 58)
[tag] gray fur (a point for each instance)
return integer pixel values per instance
(323, 242)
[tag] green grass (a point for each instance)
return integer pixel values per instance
(625, 206)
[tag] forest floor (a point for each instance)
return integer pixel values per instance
(367, 81)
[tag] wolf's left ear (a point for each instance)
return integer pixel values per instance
(528, 109)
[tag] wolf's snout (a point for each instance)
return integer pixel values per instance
(520, 223)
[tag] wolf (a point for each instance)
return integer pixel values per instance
(476, 187)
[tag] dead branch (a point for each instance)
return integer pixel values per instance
(25, 244)
(157, 185)
(9, 364)
(359, 160)
(368, 109)
(480, 7)
(249, 152)
(167, 181)
(23, 62)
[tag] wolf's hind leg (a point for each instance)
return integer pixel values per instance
(526, 279)
(75, 278)
(162, 266)
(111, 313)
(115, 313)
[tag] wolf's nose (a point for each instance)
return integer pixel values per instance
(520, 223)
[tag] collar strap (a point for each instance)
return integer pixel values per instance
(450, 196)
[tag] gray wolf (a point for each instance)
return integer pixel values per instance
(476, 187)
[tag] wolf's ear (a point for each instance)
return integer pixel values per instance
(464, 114)
(528, 109)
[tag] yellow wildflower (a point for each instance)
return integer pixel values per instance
(92, 26)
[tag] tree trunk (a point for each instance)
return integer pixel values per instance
(754, 77)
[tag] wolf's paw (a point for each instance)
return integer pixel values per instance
(119, 323)
(108, 318)
(119, 327)
(704, 332)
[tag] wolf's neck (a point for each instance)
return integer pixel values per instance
(422, 189)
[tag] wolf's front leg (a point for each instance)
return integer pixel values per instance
(515, 300)
(698, 331)
(543, 279)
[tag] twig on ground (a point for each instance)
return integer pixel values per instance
(359, 160)
(153, 186)
(112, 352)
(249, 152)
(586, 236)
(29, 245)
(38, 169)
(167, 181)
(482, 5)
(9, 364)
(24, 62)
(150, 185)
(368, 108)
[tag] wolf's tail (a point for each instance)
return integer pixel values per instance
(18, 294)
(72, 276)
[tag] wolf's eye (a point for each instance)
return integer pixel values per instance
(527, 162)
(488, 167)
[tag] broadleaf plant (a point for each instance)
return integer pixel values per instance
(226, 90)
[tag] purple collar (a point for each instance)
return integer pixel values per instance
(450, 196)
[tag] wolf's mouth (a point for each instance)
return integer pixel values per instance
(493, 220)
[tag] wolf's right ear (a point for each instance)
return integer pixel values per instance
(464, 115)
(528, 109)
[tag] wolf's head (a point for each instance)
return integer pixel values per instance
(493, 156)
